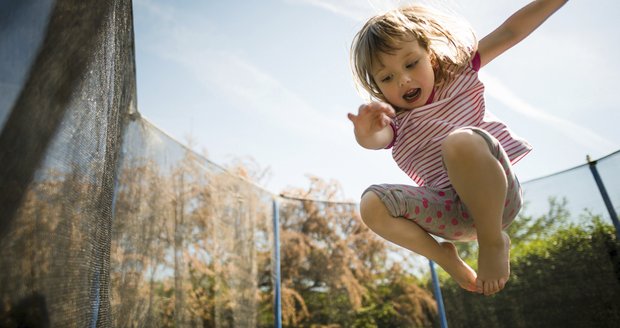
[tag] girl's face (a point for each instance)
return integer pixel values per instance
(405, 78)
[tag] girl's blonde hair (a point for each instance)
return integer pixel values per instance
(449, 41)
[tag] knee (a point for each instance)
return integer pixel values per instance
(370, 209)
(460, 144)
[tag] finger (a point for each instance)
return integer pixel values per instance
(385, 108)
(352, 117)
(389, 110)
(385, 121)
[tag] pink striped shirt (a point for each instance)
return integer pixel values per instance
(416, 147)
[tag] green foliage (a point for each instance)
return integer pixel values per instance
(563, 275)
(527, 228)
(399, 302)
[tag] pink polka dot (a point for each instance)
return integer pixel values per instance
(439, 214)
(458, 234)
(506, 202)
(454, 222)
(441, 193)
(406, 216)
(417, 210)
(429, 219)
(448, 201)
(465, 215)
(448, 207)
(473, 225)
(425, 202)
(441, 227)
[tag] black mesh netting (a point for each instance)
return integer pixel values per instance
(577, 189)
(66, 83)
(105, 221)
(191, 243)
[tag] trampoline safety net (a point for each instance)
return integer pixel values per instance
(104, 220)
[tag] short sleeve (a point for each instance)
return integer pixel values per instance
(475, 61)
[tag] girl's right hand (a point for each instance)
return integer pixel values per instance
(372, 118)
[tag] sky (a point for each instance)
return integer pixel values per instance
(270, 81)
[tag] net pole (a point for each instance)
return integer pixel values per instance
(277, 279)
(442, 312)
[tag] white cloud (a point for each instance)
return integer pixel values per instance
(357, 10)
(239, 81)
(255, 90)
(362, 10)
(579, 134)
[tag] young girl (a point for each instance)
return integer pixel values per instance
(430, 110)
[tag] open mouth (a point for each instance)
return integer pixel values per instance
(412, 95)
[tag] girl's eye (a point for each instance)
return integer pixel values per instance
(412, 65)
(386, 79)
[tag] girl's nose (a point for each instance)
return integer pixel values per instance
(404, 79)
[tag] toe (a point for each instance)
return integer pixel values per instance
(494, 286)
(487, 288)
(472, 287)
(502, 283)
(490, 287)
(479, 286)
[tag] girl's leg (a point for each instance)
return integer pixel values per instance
(409, 235)
(480, 181)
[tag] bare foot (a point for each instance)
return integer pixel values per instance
(460, 271)
(493, 266)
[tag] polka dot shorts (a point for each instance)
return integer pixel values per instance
(440, 211)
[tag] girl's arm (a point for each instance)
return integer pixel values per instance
(516, 28)
(372, 125)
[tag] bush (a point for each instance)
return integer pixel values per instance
(570, 278)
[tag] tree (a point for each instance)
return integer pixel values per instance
(335, 271)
